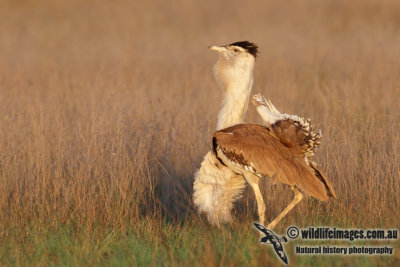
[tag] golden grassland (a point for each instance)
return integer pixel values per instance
(107, 108)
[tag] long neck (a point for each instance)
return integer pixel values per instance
(235, 103)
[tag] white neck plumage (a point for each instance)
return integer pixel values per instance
(236, 84)
(234, 107)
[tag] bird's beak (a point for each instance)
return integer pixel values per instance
(217, 48)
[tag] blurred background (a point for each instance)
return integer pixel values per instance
(107, 107)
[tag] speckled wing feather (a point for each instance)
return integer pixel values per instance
(295, 132)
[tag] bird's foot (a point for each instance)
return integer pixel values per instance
(271, 225)
(261, 220)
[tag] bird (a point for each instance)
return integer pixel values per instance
(270, 238)
(242, 153)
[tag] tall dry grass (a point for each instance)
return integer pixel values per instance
(107, 108)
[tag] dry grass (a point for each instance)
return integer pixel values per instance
(106, 109)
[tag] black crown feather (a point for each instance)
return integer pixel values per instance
(249, 47)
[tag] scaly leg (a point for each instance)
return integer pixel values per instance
(253, 181)
(298, 196)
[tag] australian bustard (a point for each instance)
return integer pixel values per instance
(282, 150)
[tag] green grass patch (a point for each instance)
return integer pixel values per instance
(165, 244)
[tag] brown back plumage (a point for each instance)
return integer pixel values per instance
(260, 150)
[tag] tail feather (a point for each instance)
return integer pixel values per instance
(295, 132)
(322, 177)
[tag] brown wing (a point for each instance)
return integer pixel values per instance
(258, 148)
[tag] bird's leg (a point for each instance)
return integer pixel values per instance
(253, 182)
(298, 196)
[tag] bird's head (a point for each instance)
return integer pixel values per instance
(235, 64)
(238, 51)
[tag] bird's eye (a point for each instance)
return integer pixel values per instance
(236, 50)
